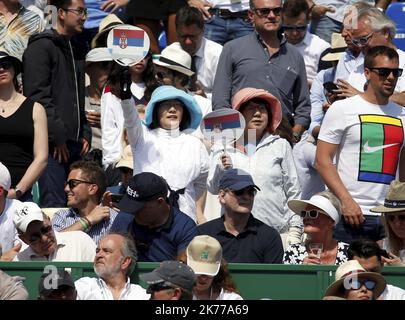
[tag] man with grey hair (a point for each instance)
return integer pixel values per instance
(114, 262)
(373, 28)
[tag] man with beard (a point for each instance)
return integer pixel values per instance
(114, 262)
(244, 239)
(366, 134)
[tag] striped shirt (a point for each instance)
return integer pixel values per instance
(66, 217)
(14, 34)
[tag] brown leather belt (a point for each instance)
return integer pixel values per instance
(225, 13)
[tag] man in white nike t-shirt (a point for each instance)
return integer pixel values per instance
(366, 133)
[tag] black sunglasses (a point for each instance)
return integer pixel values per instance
(158, 287)
(73, 183)
(38, 236)
(6, 65)
(400, 217)
(385, 72)
(296, 28)
(356, 284)
(313, 214)
(362, 41)
(264, 12)
(161, 75)
(251, 191)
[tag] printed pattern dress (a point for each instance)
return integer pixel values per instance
(296, 253)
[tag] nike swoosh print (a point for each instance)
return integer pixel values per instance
(368, 149)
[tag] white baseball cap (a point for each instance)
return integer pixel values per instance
(5, 178)
(26, 213)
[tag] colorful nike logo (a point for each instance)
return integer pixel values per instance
(368, 149)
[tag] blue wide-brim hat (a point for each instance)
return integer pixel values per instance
(169, 93)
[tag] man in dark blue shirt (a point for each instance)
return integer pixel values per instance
(243, 238)
(161, 231)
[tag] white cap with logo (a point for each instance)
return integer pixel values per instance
(26, 213)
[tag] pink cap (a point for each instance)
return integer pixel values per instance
(273, 104)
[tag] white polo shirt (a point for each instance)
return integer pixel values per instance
(96, 289)
(311, 48)
(75, 246)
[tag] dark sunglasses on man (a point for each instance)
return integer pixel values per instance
(251, 191)
(385, 72)
(264, 12)
(158, 287)
(294, 28)
(362, 41)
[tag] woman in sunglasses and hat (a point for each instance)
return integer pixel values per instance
(23, 132)
(266, 156)
(393, 215)
(353, 282)
(320, 215)
(162, 145)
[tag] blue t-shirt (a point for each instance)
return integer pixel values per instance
(161, 243)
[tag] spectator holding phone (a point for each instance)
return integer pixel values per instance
(353, 282)
(114, 194)
(370, 256)
(322, 96)
(84, 189)
(393, 211)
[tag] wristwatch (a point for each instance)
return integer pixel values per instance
(18, 193)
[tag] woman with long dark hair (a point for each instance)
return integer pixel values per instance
(23, 132)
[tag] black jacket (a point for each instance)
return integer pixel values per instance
(52, 78)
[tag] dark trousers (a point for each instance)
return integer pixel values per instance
(372, 228)
(51, 183)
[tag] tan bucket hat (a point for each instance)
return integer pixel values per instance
(337, 48)
(353, 269)
(394, 200)
(109, 22)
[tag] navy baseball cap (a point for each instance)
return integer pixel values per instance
(143, 187)
(236, 179)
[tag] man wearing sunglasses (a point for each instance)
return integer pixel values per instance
(85, 186)
(172, 280)
(243, 238)
(366, 134)
(369, 255)
(295, 25)
(373, 28)
(54, 77)
(43, 243)
(268, 62)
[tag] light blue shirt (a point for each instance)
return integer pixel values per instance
(318, 96)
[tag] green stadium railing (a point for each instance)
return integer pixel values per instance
(254, 281)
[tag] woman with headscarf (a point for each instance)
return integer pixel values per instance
(267, 157)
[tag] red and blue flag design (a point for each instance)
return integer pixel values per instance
(230, 121)
(128, 38)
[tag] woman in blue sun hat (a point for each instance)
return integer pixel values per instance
(162, 145)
